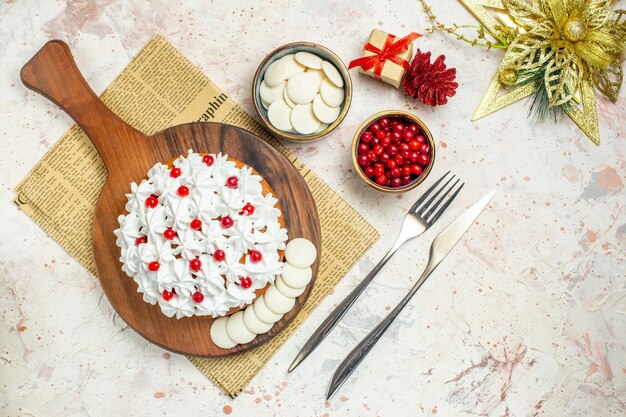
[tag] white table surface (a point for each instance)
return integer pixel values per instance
(526, 316)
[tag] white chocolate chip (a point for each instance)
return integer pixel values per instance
(293, 66)
(286, 290)
(238, 331)
(219, 335)
(332, 95)
(288, 100)
(309, 60)
(303, 119)
(301, 88)
(296, 277)
(271, 94)
(263, 313)
(277, 302)
(253, 323)
(323, 111)
(276, 73)
(332, 73)
(300, 252)
(279, 114)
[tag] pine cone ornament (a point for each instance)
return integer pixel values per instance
(431, 83)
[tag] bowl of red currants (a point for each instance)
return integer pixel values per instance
(393, 151)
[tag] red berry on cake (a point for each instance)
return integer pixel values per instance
(219, 255)
(227, 222)
(183, 191)
(196, 224)
(169, 234)
(195, 265)
(256, 256)
(167, 295)
(197, 297)
(175, 172)
(248, 209)
(232, 182)
(152, 202)
(246, 282)
(154, 266)
(208, 160)
(140, 240)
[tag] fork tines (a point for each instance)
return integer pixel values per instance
(426, 211)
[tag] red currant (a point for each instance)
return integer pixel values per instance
(362, 148)
(383, 157)
(363, 160)
(385, 142)
(227, 222)
(391, 164)
(152, 202)
(393, 149)
(195, 264)
(395, 137)
(372, 156)
(395, 172)
(167, 295)
(255, 256)
(140, 240)
(378, 149)
(420, 139)
(416, 169)
(425, 148)
(406, 170)
(380, 134)
(197, 297)
(374, 127)
(396, 182)
(246, 282)
(413, 128)
(183, 191)
(232, 182)
(414, 145)
(219, 255)
(398, 128)
(196, 224)
(406, 179)
(399, 160)
(366, 137)
(406, 154)
(208, 160)
(248, 209)
(369, 171)
(381, 180)
(175, 172)
(384, 122)
(379, 169)
(154, 266)
(414, 156)
(408, 135)
(169, 234)
(423, 160)
(404, 146)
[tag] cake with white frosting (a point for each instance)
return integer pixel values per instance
(201, 236)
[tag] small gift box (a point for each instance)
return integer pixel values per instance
(386, 57)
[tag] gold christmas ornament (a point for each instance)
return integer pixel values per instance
(559, 51)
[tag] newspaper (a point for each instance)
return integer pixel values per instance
(158, 89)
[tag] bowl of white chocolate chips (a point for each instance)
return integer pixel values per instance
(302, 91)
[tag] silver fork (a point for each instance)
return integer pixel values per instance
(419, 218)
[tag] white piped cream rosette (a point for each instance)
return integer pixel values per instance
(279, 298)
(302, 93)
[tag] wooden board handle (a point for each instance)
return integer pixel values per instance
(53, 73)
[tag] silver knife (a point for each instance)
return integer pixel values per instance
(441, 246)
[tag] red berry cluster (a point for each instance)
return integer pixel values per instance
(393, 152)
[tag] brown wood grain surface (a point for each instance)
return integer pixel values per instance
(128, 155)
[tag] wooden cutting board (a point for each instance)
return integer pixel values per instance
(128, 155)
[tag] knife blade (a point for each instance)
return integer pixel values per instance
(441, 246)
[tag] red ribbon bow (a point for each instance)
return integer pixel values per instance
(389, 52)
